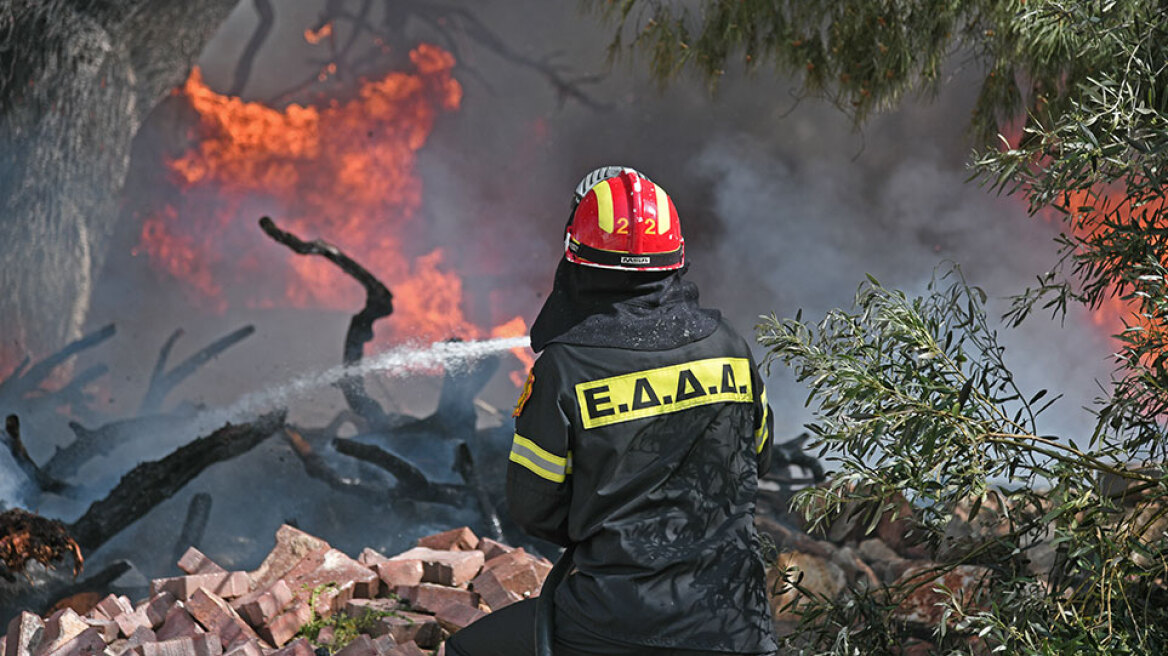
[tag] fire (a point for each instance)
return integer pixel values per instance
(1090, 212)
(516, 328)
(343, 172)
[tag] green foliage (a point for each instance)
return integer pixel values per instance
(913, 396)
(864, 55)
(345, 628)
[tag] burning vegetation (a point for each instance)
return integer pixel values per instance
(25, 536)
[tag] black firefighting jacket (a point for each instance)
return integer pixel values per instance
(648, 460)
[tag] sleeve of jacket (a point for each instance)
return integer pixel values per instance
(764, 422)
(540, 467)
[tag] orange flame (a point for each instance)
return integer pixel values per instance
(516, 328)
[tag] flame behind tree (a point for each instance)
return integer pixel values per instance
(343, 171)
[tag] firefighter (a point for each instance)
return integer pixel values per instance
(639, 439)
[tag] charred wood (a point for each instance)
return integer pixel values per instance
(91, 443)
(162, 384)
(411, 481)
(23, 381)
(243, 67)
(26, 536)
(378, 304)
(95, 587)
(42, 480)
(151, 483)
(198, 512)
(464, 463)
(316, 467)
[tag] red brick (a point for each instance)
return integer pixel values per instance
(113, 605)
(85, 643)
(283, 627)
(142, 636)
(260, 606)
(61, 627)
(25, 632)
(292, 545)
(408, 649)
(130, 622)
(456, 617)
(358, 608)
(157, 607)
(249, 648)
(429, 597)
(298, 647)
(507, 579)
(197, 562)
(178, 624)
(406, 627)
(491, 548)
(108, 629)
(226, 585)
(453, 568)
(362, 645)
(457, 539)
(206, 644)
(351, 579)
(218, 617)
(384, 643)
(400, 572)
(370, 558)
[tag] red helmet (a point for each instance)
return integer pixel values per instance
(622, 220)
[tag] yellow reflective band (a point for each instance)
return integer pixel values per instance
(663, 390)
(604, 213)
(663, 214)
(761, 435)
(539, 461)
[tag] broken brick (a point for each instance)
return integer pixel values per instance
(226, 585)
(292, 545)
(283, 627)
(178, 624)
(400, 572)
(260, 606)
(25, 632)
(408, 649)
(452, 568)
(456, 617)
(358, 608)
(362, 645)
(157, 607)
(61, 628)
(249, 648)
(370, 557)
(201, 645)
(130, 622)
(85, 643)
(141, 636)
(218, 617)
(113, 605)
(107, 628)
(344, 577)
(298, 647)
(491, 548)
(508, 578)
(406, 627)
(194, 561)
(429, 597)
(458, 539)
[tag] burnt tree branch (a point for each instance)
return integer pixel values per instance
(151, 483)
(410, 480)
(161, 385)
(316, 467)
(39, 477)
(246, 60)
(378, 304)
(18, 384)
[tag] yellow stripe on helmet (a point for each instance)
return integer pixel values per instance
(664, 216)
(604, 213)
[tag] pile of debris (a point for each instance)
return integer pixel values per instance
(304, 596)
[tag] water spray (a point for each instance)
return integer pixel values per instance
(396, 363)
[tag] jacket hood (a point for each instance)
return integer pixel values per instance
(638, 310)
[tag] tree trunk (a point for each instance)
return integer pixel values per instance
(77, 78)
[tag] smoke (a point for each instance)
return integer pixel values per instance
(784, 206)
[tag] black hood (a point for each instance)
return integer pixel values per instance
(638, 310)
